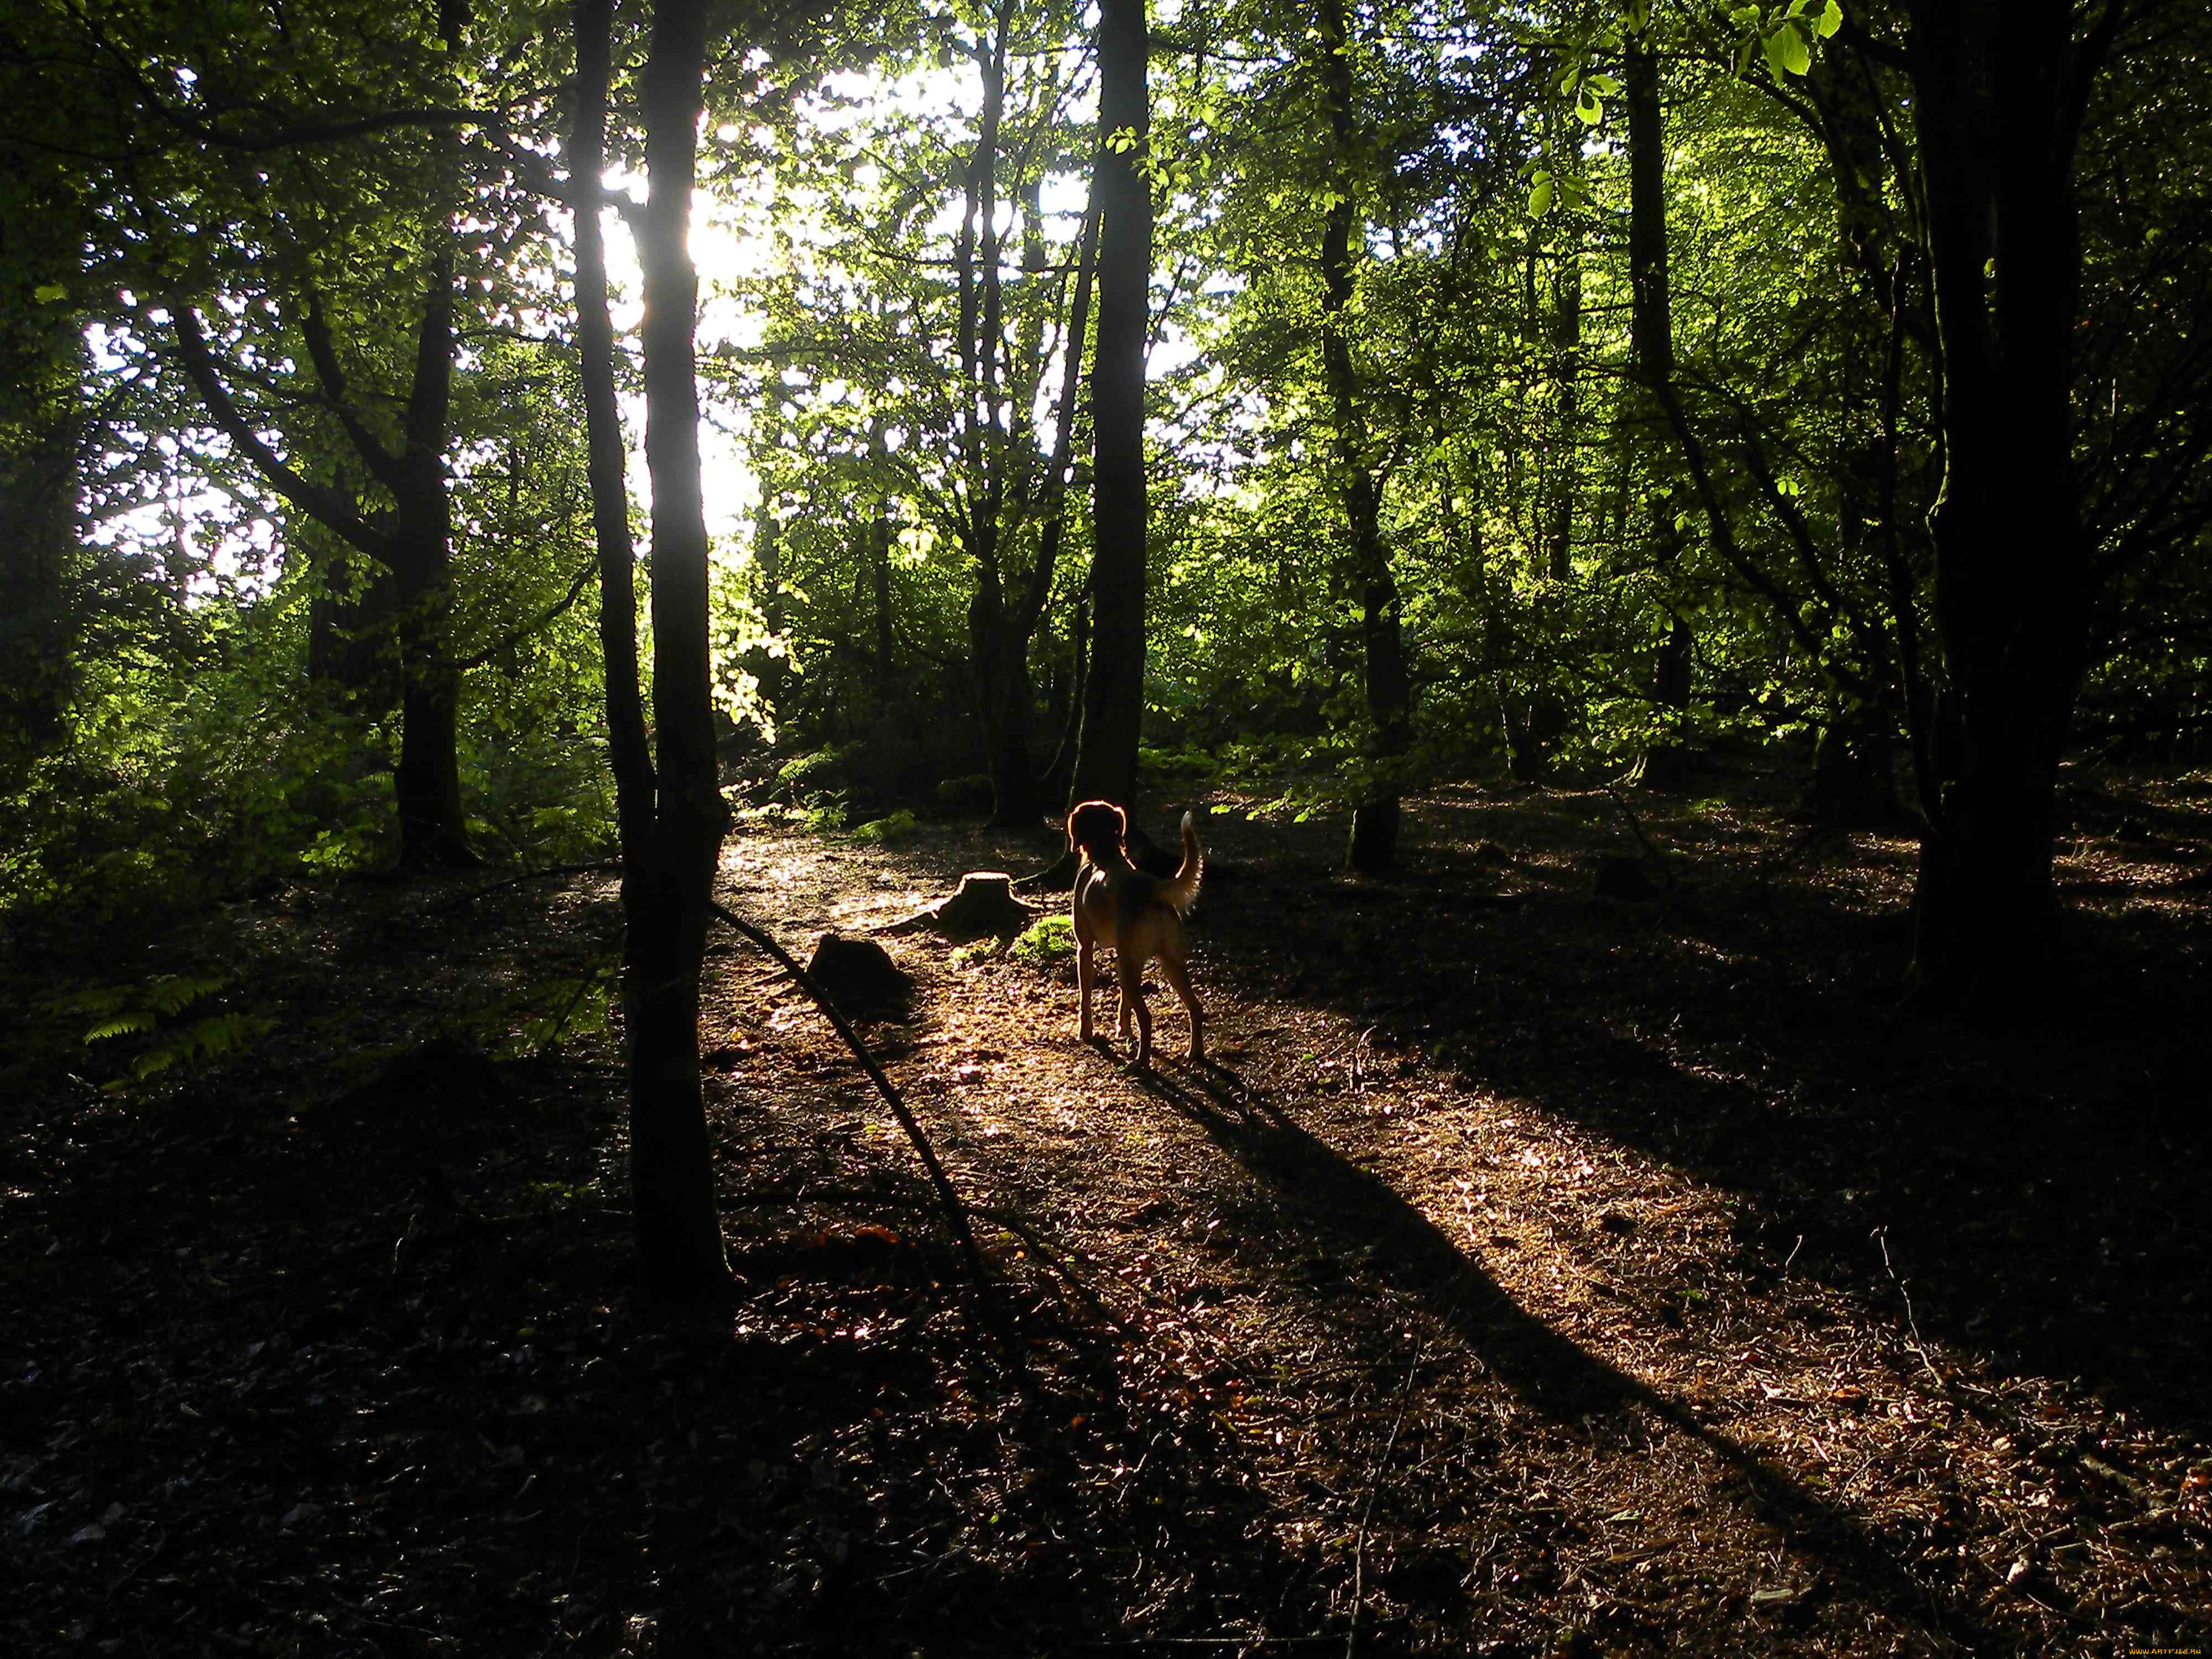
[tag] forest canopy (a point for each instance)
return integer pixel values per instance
(1528, 392)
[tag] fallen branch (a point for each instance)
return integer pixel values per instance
(955, 1212)
(470, 897)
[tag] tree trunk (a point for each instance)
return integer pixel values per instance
(672, 823)
(1113, 692)
(1997, 112)
(886, 665)
(41, 429)
(999, 658)
(629, 752)
(1386, 683)
(880, 535)
(415, 546)
(1665, 763)
(431, 830)
(1854, 782)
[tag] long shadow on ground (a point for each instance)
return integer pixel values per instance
(1321, 1197)
(2034, 1191)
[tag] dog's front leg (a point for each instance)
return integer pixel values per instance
(1084, 969)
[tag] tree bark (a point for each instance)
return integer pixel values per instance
(431, 830)
(1997, 111)
(415, 546)
(629, 752)
(41, 429)
(1113, 692)
(1385, 680)
(885, 662)
(1665, 762)
(672, 815)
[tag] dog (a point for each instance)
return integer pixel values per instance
(1137, 916)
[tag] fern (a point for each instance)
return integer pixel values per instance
(203, 1040)
(149, 1008)
(138, 1019)
(881, 832)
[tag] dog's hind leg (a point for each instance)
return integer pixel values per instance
(1131, 975)
(1179, 979)
(1085, 971)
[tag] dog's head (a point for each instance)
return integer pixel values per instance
(1097, 826)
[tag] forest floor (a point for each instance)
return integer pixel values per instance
(1530, 1272)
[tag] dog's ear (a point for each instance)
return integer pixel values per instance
(1072, 817)
(1120, 826)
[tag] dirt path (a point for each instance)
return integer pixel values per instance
(1484, 1368)
(1533, 1274)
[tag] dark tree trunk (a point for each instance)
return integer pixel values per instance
(1666, 764)
(879, 572)
(416, 545)
(1854, 782)
(999, 622)
(770, 667)
(672, 819)
(40, 432)
(1565, 484)
(429, 783)
(1005, 700)
(1534, 724)
(1386, 682)
(629, 752)
(1998, 109)
(880, 536)
(1113, 692)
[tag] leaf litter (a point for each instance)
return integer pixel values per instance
(1592, 1277)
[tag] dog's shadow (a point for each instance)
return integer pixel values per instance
(1321, 1199)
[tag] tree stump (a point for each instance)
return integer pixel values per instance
(861, 976)
(984, 904)
(1624, 879)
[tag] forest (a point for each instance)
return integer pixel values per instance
(564, 567)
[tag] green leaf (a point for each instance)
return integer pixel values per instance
(48, 293)
(1588, 108)
(1831, 19)
(1539, 198)
(1787, 52)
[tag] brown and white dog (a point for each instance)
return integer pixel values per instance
(1136, 915)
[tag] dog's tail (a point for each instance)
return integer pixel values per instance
(1180, 890)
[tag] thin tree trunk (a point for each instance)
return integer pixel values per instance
(667, 892)
(998, 652)
(628, 750)
(1385, 680)
(1114, 691)
(1652, 327)
(885, 663)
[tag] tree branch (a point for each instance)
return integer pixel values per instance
(591, 568)
(327, 505)
(956, 1212)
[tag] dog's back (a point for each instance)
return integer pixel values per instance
(1106, 877)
